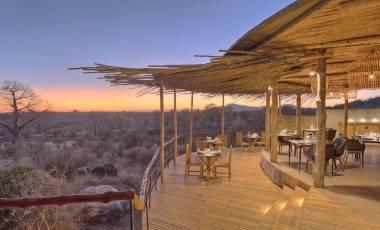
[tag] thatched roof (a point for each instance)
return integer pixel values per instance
(284, 47)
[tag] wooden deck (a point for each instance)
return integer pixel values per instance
(249, 201)
(357, 187)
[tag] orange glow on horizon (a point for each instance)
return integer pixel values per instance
(65, 99)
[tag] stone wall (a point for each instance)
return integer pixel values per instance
(289, 122)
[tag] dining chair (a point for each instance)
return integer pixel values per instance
(191, 163)
(259, 144)
(201, 144)
(239, 141)
(224, 164)
(356, 148)
(284, 141)
(223, 145)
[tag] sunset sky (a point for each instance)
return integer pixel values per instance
(40, 39)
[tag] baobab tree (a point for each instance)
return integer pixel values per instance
(20, 106)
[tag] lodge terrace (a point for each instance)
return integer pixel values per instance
(311, 50)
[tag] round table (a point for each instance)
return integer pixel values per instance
(209, 157)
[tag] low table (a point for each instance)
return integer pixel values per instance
(299, 144)
(209, 157)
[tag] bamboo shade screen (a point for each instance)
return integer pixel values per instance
(364, 73)
(333, 85)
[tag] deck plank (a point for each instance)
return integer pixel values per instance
(249, 201)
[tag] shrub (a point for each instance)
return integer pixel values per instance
(64, 165)
(24, 181)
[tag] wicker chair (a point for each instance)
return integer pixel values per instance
(224, 164)
(191, 163)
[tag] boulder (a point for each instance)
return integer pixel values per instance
(111, 170)
(99, 171)
(101, 213)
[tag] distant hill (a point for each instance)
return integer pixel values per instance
(359, 104)
(241, 108)
(285, 109)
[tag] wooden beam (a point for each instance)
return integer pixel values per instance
(279, 105)
(223, 115)
(319, 164)
(298, 115)
(345, 113)
(267, 119)
(274, 122)
(175, 126)
(360, 41)
(191, 122)
(162, 163)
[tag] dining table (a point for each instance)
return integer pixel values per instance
(310, 130)
(213, 143)
(209, 157)
(252, 139)
(369, 139)
(299, 144)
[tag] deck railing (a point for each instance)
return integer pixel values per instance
(134, 202)
(152, 172)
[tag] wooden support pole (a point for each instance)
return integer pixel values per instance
(319, 167)
(345, 113)
(191, 123)
(274, 122)
(279, 106)
(162, 130)
(267, 119)
(223, 115)
(175, 126)
(298, 115)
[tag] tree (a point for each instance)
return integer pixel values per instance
(21, 106)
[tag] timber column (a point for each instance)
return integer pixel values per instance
(162, 162)
(274, 122)
(319, 166)
(175, 127)
(223, 116)
(191, 123)
(345, 113)
(267, 118)
(298, 115)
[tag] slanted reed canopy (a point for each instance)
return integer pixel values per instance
(285, 47)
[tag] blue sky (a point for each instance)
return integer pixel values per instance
(40, 39)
